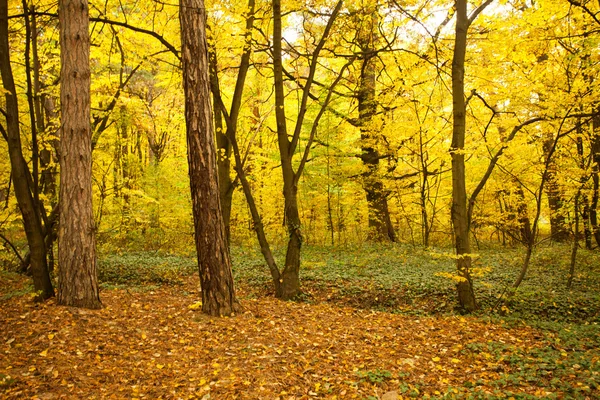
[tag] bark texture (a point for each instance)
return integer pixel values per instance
(460, 220)
(595, 150)
(218, 294)
(380, 223)
(21, 175)
(224, 145)
(559, 230)
(78, 283)
(290, 276)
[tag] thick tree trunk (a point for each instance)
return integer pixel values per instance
(380, 223)
(20, 172)
(290, 276)
(218, 294)
(460, 222)
(78, 282)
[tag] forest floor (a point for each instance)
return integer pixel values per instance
(156, 344)
(372, 321)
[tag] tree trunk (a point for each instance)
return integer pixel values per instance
(575, 241)
(223, 148)
(460, 223)
(20, 172)
(226, 187)
(224, 145)
(559, 231)
(290, 276)
(78, 282)
(595, 150)
(380, 223)
(218, 294)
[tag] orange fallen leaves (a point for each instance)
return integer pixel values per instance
(153, 345)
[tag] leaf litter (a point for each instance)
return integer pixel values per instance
(158, 345)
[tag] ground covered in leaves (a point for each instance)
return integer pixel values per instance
(156, 344)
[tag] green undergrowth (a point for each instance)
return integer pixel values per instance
(399, 278)
(406, 279)
(144, 268)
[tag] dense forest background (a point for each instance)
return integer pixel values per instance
(368, 93)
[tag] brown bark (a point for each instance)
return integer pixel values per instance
(78, 283)
(380, 223)
(224, 146)
(218, 294)
(559, 231)
(290, 276)
(575, 241)
(459, 214)
(20, 173)
(595, 150)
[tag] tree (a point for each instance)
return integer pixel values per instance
(380, 223)
(78, 283)
(460, 219)
(290, 276)
(21, 176)
(218, 294)
(224, 147)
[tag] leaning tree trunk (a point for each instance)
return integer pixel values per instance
(78, 282)
(226, 187)
(218, 294)
(460, 221)
(20, 172)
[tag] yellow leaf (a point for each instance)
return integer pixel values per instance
(160, 366)
(51, 336)
(44, 353)
(435, 359)
(144, 336)
(195, 306)
(55, 374)
(456, 361)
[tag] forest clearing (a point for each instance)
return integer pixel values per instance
(284, 199)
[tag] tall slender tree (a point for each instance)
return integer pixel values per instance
(290, 276)
(460, 218)
(21, 176)
(78, 282)
(216, 279)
